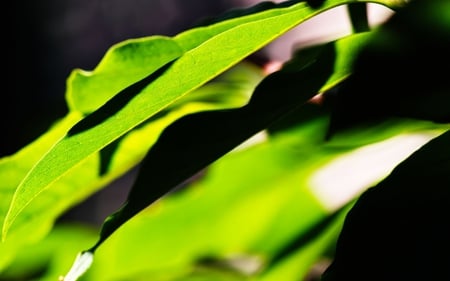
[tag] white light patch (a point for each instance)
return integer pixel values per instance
(79, 267)
(343, 179)
(260, 137)
(329, 25)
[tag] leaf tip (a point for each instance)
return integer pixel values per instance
(81, 264)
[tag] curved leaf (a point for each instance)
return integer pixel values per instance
(132, 60)
(399, 64)
(122, 65)
(230, 89)
(270, 189)
(198, 221)
(206, 136)
(187, 73)
(12, 170)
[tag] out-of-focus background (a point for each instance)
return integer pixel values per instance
(47, 39)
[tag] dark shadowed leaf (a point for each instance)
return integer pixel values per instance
(399, 229)
(207, 52)
(399, 73)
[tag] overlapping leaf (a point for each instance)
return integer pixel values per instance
(231, 89)
(188, 72)
(221, 216)
(206, 136)
(405, 215)
(186, 43)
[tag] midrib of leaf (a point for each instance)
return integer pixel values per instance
(122, 65)
(189, 72)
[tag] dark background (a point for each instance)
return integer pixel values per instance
(45, 40)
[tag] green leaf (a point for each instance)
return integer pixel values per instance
(138, 102)
(230, 89)
(219, 217)
(122, 65)
(12, 170)
(44, 259)
(266, 192)
(132, 60)
(206, 136)
(209, 135)
(358, 13)
(302, 256)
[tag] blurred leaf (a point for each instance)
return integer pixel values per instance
(297, 265)
(358, 14)
(43, 260)
(398, 229)
(218, 216)
(255, 214)
(261, 210)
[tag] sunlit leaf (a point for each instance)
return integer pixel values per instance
(207, 136)
(228, 90)
(122, 65)
(257, 213)
(136, 103)
(12, 170)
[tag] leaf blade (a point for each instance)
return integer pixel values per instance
(70, 150)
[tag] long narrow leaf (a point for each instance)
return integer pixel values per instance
(112, 162)
(187, 73)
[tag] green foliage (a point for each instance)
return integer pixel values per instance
(183, 109)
